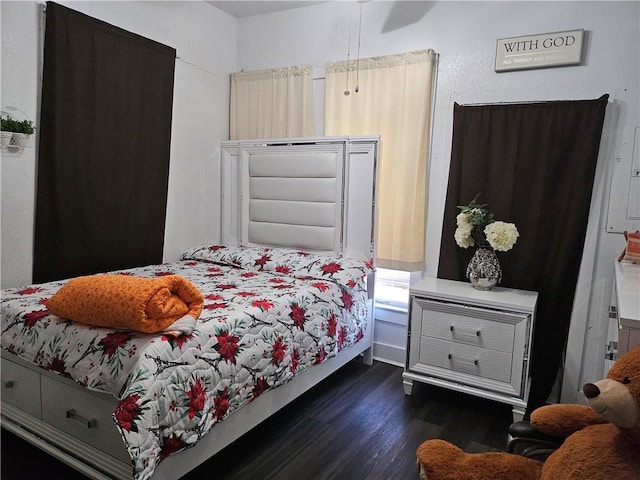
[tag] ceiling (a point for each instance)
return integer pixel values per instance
(245, 8)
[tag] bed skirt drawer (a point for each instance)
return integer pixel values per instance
(21, 388)
(84, 415)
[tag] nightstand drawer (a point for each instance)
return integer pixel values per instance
(21, 387)
(458, 328)
(84, 415)
(467, 359)
(469, 325)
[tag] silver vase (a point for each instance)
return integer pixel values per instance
(484, 269)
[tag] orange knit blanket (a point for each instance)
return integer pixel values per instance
(148, 305)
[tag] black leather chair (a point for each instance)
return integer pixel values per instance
(525, 440)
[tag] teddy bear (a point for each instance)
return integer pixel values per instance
(602, 439)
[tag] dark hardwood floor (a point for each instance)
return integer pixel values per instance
(356, 425)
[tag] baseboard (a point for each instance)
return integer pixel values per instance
(389, 354)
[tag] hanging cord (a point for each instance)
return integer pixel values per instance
(357, 89)
(347, 92)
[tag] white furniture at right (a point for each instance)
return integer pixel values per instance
(624, 324)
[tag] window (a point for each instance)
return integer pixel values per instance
(393, 100)
(272, 103)
(392, 289)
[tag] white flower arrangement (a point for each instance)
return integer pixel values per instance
(501, 236)
(463, 232)
(476, 227)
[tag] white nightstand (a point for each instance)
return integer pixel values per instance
(472, 341)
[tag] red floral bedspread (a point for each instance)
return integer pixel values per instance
(268, 314)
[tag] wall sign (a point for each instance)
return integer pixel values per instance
(538, 51)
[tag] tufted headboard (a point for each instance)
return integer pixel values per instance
(316, 194)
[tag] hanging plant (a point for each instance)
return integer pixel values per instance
(9, 124)
(27, 127)
(15, 133)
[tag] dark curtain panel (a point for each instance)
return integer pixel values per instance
(534, 165)
(105, 135)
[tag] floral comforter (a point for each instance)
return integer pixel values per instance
(268, 314)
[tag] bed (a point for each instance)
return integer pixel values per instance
(287, 301)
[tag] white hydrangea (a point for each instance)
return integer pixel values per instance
(501, 236)
(463, 219)
(463, 232)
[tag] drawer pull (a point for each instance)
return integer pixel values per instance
(475, 361)
(476, 333)
(8, 384)
(89, 422)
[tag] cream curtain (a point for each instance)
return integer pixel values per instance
(394, 101)
(272, 103)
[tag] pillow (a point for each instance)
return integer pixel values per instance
(345, 271)
(631, 252)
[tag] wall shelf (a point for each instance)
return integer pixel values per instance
(14, 143)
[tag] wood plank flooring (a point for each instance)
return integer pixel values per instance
(356, 425)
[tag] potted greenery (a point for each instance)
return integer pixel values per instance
(15, 133)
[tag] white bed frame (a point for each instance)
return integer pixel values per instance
(259, 182)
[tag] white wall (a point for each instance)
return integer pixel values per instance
(464, 35)
(19, 88)
(204, 38)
